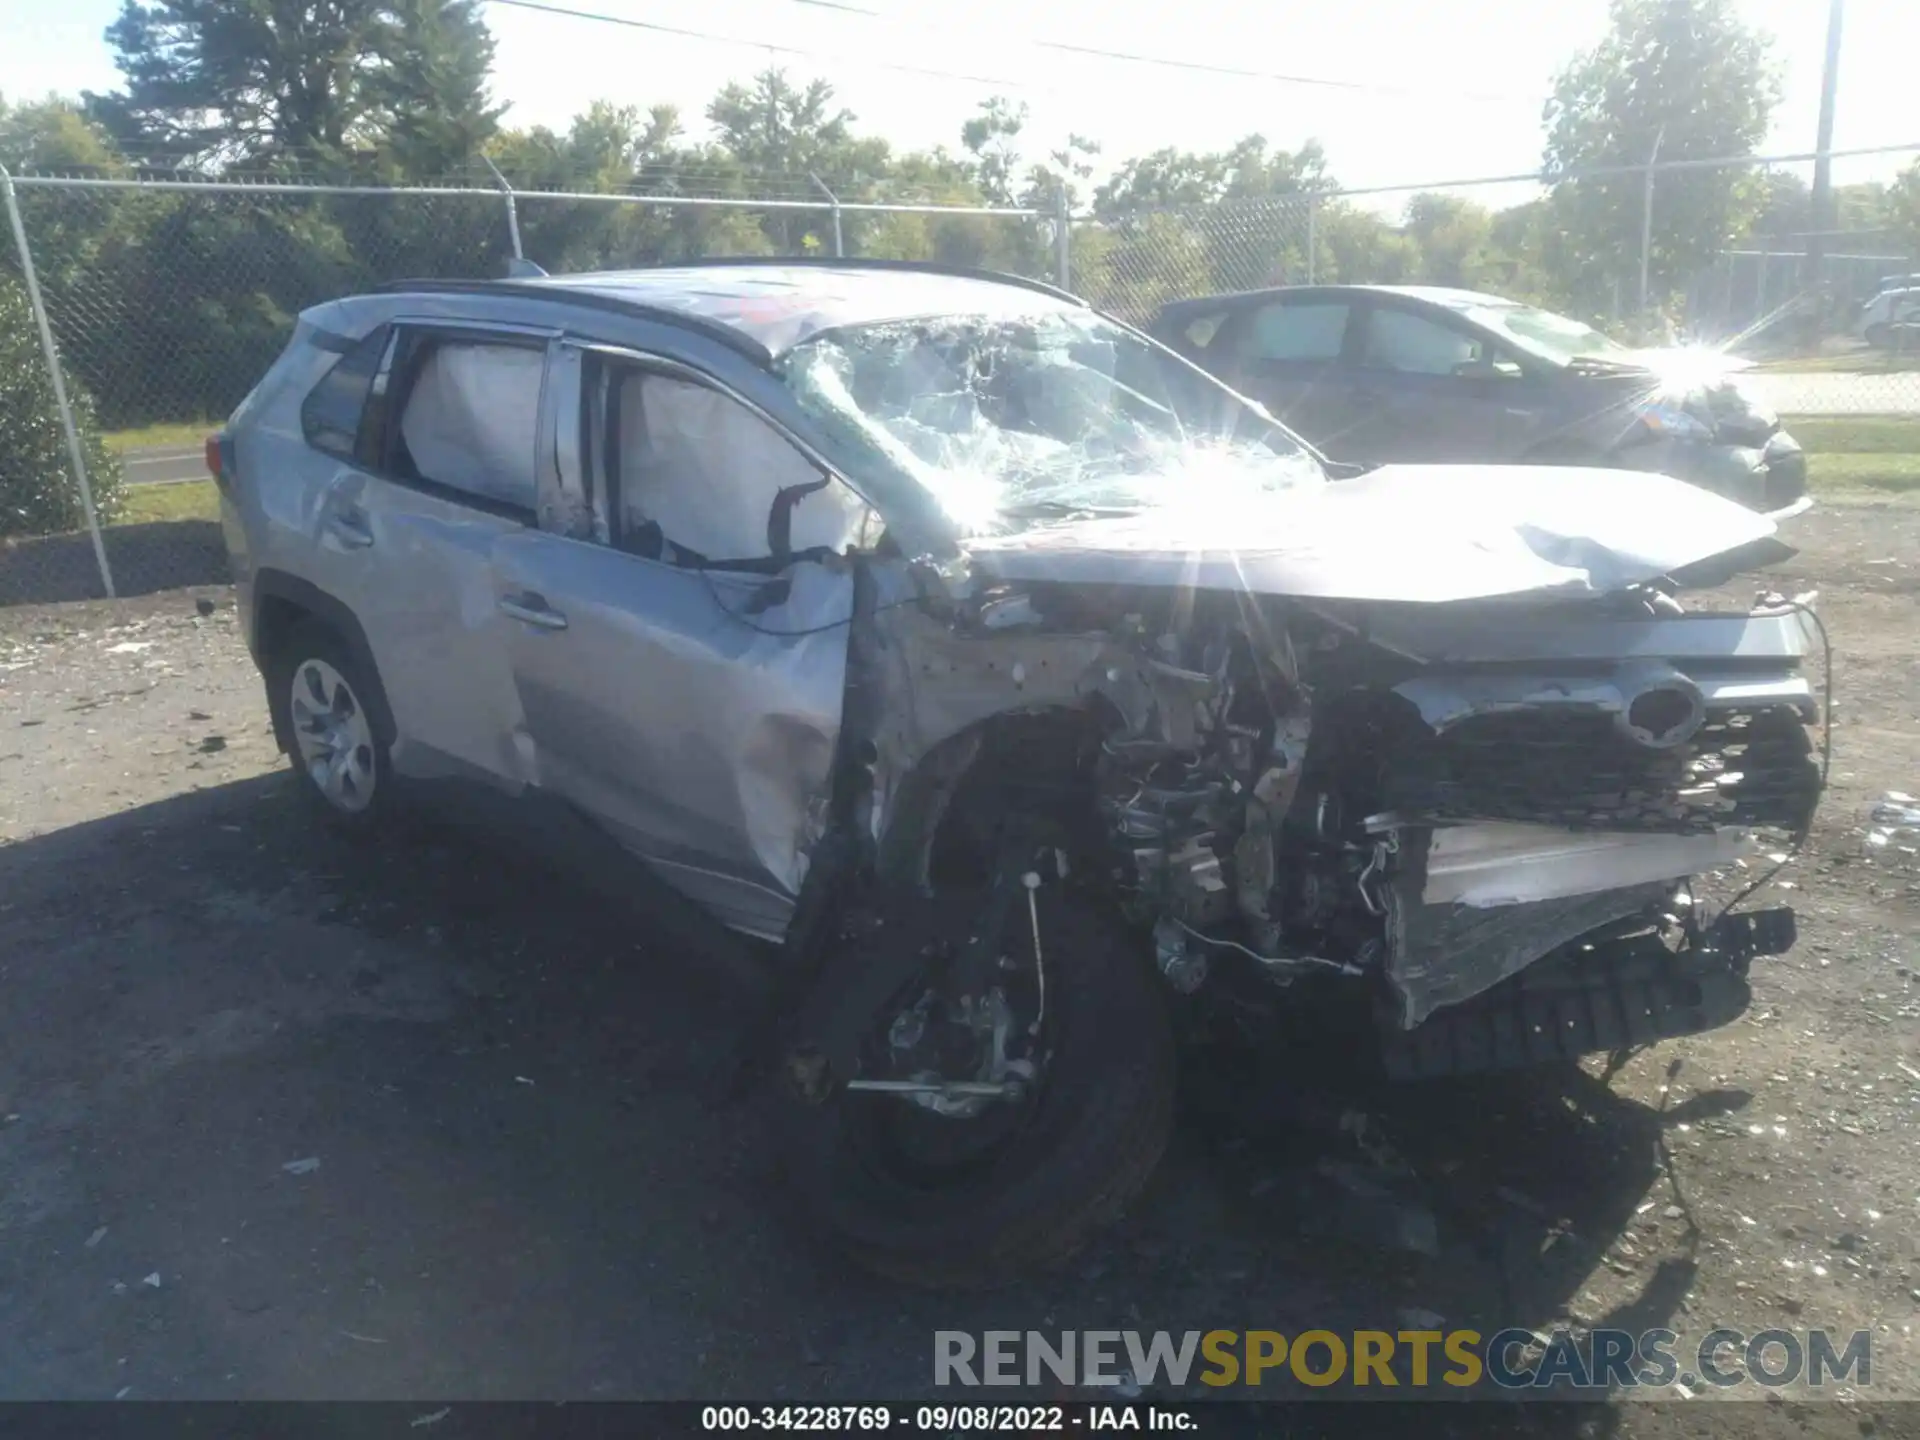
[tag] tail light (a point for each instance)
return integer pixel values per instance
(219, 453)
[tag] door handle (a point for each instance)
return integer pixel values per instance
(350, 530)
(533, 610)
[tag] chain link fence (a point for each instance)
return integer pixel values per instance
(165, 302)
(1133, 265)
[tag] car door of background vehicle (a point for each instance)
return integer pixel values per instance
(1288, 353)
(692, 708)
(441, 466)
(1432, 388)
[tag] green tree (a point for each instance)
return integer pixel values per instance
(54, 136)
(1903, 209)
(992, 137)
(1451, 240)
(784, 134)
(37, 492)
(430, 97)
(1689, 77)
(332, 84)
(1246, 171)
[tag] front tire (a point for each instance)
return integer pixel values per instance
(1878, 337)
(331, 713)
(1082, 1144)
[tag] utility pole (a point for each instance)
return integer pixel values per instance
(1823, 216)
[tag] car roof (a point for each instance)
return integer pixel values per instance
(1447, 296)
(767, 306)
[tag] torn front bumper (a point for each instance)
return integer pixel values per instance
(1552, 789)
(1593, 999)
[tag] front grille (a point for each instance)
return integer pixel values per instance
(1744, 769)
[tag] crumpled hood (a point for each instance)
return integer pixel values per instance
(1420, 533)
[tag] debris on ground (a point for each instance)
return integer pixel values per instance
(302, 1167)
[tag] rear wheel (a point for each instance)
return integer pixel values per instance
(959, 1191)
(331, 712)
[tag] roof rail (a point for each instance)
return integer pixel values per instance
(726, 335)
(851, 262)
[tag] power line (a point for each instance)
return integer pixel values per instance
(1277, 77)
(1131, 57)
(686, 34)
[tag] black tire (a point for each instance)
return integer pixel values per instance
(1878, 337)
(307, 647)
(1083, 1145)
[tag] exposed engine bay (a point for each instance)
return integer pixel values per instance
(1424, 800)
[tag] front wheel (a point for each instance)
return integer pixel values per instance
(952, 1193)
(1878, 337)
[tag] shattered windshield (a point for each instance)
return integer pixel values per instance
(1013, 422)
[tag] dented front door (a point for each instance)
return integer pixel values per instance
(694, 713)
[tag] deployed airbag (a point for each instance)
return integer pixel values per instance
(705, 469)
(473, 419)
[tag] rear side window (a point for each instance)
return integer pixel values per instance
(331, 414)
(1195, 333)
(471, 420)
(1312, 331)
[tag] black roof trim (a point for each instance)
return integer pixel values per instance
(590, 300)
(1235, 297)
(699, 324)
(835, 262)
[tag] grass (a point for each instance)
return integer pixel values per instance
(182, 435)
(1854, 362)
(150, 504)
(1866, 456)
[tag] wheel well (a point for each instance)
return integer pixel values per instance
(273, 620)
(283, 603)
(955, 805)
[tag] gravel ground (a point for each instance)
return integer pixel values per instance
(285, 1118)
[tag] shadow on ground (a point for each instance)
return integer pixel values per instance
(145, 559)
(529, 1183)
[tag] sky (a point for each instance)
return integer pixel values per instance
(1453, 91)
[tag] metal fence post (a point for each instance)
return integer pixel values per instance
(1646, 221)
(75, 455)
(833, 200)
(1062, 237)
(1313, 236)
(513, 209)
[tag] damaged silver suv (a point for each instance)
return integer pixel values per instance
(1023, 693)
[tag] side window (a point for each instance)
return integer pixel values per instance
(1312, 331)
(471, 418)
(704, 474)
(1411, 344)
(1194, 334)
(330, 416)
